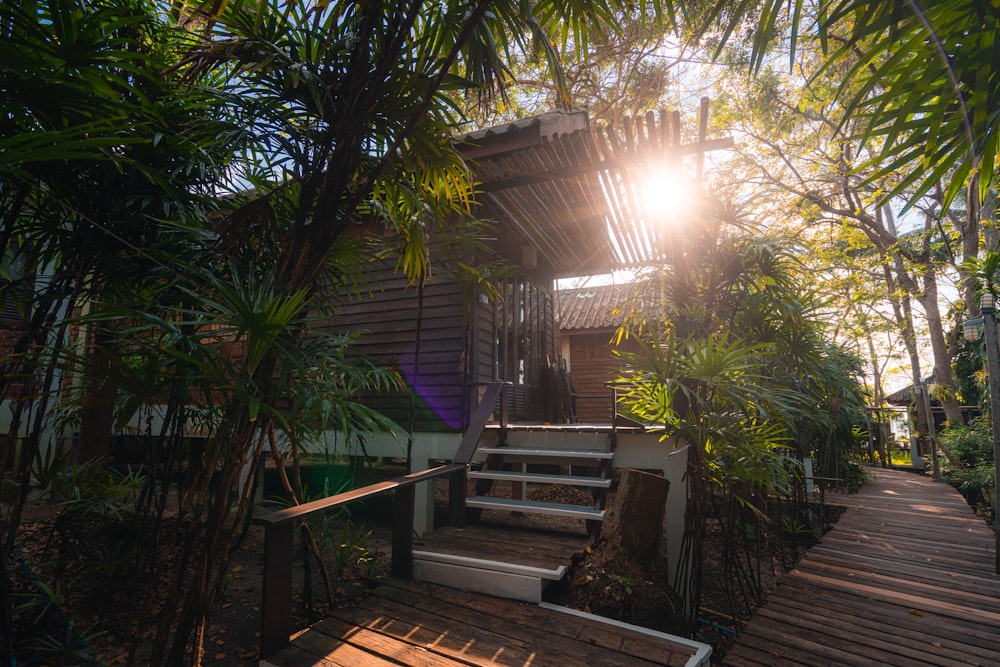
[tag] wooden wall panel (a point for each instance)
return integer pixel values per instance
(387, 319)
(592, 365)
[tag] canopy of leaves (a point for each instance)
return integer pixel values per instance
(922, 81)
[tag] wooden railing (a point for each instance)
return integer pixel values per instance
(276, 605)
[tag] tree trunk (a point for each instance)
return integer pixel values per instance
(904, 317)
(635, 522)
(943, 375)
(97, 410)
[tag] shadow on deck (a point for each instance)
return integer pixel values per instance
(906, 577)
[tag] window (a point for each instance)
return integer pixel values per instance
(13, 283)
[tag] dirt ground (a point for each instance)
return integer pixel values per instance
(601, 583)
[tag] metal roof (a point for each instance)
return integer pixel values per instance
(570, 189)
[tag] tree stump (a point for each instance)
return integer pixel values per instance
(634, 525)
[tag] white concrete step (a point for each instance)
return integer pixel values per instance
(492, 565)
(535, 454)
(535, 507)
(526, 588)
(540, 478)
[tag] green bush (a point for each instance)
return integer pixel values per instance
(971, 449)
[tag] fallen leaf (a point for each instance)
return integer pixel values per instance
(914, 612)
(582, 581)
(220, 656)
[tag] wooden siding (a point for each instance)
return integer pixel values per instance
(526, 345)
(906, 577)
(484, 352)
(592, 366)
(388, 322)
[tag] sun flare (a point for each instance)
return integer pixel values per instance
(666, 194)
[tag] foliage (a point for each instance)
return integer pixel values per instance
(93, 543)
(734, 361)
(917, 83)
(153, 289)
(970, 466)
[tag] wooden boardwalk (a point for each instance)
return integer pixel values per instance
(419, 624)
(906, 577)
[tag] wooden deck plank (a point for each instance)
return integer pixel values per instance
(818, 651)
(294, 656)
(419, 624)
(524, 547)
(872, 611)
(348, 645)
(535, 627)
(935, 637)
(885, 644)
(433, 633)
(842, 550)
(930, 576)
(905, 577)
(528, 620)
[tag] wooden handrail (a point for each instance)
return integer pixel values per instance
(276, 604)
(300, 511)
(470, 441)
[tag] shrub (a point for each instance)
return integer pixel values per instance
(971, 449)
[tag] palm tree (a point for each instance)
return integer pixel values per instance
(98, 149)
(734, 363)
(351, 107)
(919, 81)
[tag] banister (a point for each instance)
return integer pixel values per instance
(276, 604)
(299, 511)
(467, 449)
(276, 607)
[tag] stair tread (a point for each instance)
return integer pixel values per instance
(538, 507)
(558, 453)
(569, 480)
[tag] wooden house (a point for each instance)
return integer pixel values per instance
(588, 320)
(562, 197)
(449, 338)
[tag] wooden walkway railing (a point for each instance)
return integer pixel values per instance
(276, 606)
(906, 577)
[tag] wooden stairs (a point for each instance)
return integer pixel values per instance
(512, 461)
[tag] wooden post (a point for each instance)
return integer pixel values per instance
(402, 532)
(456, 498)
(276, 606)
(993, 372)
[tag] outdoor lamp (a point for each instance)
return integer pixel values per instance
(970, 329)
(987, 302)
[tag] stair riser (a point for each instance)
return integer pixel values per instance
(490, 565)
(568, 511)
(593, 482)
(500, 584)
(550, 461)
(548, 440)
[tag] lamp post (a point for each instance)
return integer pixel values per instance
(970, 329)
